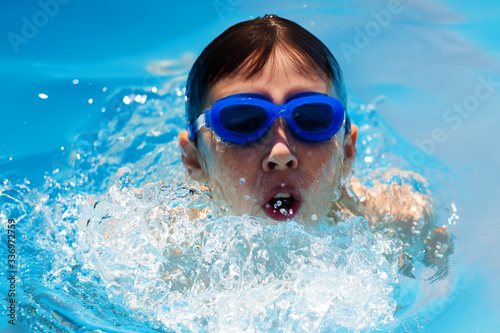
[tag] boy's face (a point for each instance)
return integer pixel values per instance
(279, 176)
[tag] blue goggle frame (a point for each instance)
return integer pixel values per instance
(332, 107)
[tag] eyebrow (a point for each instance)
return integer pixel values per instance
(251, 95)
(266, 98)
(304, 93)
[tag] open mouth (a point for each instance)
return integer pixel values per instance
(282, 206)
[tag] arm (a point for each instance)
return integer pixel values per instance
(401, 212)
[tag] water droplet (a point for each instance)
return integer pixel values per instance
(242, 181)
(247, 197)
(336, 194)
(314, 217)
(283, 184)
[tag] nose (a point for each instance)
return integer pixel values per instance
(280, 155)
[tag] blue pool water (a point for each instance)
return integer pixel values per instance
(93, 255)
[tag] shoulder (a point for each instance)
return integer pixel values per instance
(399, 201)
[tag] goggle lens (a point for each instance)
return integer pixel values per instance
(242, 119)
(313, 117)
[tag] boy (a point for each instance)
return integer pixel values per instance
(269, 134)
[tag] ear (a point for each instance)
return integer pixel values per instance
(350, 150)
(190, 158)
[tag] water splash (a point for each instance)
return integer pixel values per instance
(224, 273)
(119, 235)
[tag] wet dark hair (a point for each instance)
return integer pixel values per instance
(246, 48)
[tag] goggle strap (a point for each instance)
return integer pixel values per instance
(198, 124)
(191, 132)
(347, 124)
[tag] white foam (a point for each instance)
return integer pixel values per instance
(234, 273)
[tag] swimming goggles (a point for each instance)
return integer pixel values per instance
(244, 118)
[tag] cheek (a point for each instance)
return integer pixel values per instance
(218, 160)
(324, 165)
(235, 164)
(226, 159)
(232, 175)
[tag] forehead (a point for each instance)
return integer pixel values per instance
(280, 78)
